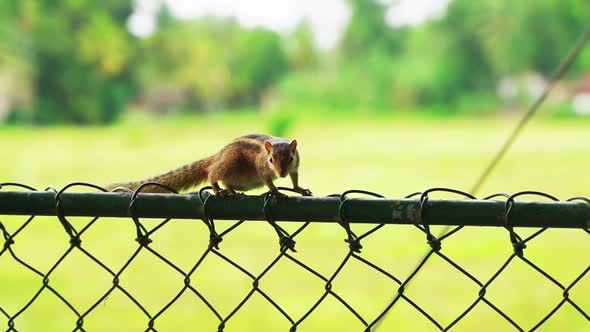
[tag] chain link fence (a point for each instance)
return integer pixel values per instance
(313, 276)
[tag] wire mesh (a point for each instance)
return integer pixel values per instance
(187, 281)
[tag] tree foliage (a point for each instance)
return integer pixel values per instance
(302, 54)
(209, 63)
(81, 53)
(76, 61)
(367, 29)
(440, 62)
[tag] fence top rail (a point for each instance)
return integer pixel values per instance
(352, 209)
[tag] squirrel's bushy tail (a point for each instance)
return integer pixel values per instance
(179, 179)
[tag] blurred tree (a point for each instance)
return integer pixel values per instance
(75, 61)
(301, 50)
(209, 64)
(81, 52)
(185, 64)
(450, 61)
(533, 37)
(164, 17)
(84, 54)
(366, 30)
(463, 64)
(256, 60)
(477, 42)
(15, 66)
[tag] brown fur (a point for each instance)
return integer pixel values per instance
(243, 164)
(179, 179)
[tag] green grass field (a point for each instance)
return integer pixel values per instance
(390, 155)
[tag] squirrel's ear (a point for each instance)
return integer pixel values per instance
(268, 146)
(293, 145)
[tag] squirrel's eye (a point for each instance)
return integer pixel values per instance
(291, 159)
(270, 160)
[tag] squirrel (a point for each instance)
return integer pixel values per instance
(247, 162)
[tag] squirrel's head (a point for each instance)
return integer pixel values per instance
(282, 156)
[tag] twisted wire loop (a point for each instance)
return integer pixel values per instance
(285, 240)
(435, 249)
(143, 235)
(144, 240)
(9, 238)
(214, 238)
(7, 247)
(354, 246)
(286, 243)
(517, 242)
(75, 243)
(68, 227)
(353, 252)
(584, 200)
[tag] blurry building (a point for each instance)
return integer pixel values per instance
(526, 86)
(581, 99)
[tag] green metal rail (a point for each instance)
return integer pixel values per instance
(558, 214)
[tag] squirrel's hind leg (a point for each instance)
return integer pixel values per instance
(219, 192)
